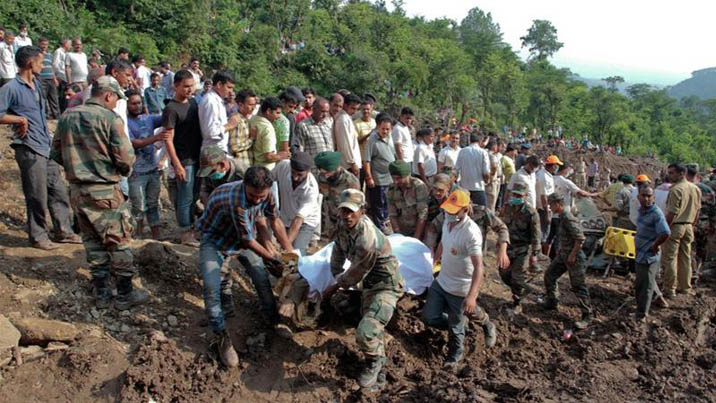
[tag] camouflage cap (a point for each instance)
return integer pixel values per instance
(109, 83)
(210, 156)
(519, 188)
(351, 199)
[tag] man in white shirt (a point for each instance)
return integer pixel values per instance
(8, 69)
(425, 166)
(473, 169)
(402, 140)
(453, 295)
(346, 136)
(214, 124)
(58, 67)
(196, 73)
(22, 39)
(544, 188)
(142, 74)
(76, 67)
(298, 190)
(525, 175)
(447, 158)
(492, 189)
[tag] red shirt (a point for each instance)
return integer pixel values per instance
(303, 114)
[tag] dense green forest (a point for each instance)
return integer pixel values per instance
(442, 68)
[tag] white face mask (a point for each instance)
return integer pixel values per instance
(449, 218)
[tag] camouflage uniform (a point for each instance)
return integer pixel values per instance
(621, 202)
(524, 231)
(569, 233)
(331, 189)
(373, 263)
(91, 145)
(487, 220)
(703, 230)
(409, 207)
(434, 226)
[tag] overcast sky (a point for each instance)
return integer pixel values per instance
(659, 42)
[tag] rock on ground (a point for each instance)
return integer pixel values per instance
(42, 331)
(9, 335)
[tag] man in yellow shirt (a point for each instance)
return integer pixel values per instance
(364, 126)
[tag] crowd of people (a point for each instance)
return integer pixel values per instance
(249, 176)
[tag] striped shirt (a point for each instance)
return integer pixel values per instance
(313, 137)
(229, 219)
(47, 73)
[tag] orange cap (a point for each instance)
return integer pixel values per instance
(642, 178)
(456, 201)
(553, 159)
(445, 138)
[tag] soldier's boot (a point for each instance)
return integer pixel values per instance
(101, 292)
(584, 322)
(369, 376)
(490, 334)
(224, 346)
(550, 304)
(127, 296)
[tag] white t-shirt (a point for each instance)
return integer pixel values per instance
(530, 180)
(463, 241)
(7, 61)
(424, 153)
(565, 188)
(634, 204)
(472, 164)
(145, 75)
(401, 136)
(448, 156)
(302, 201)
(78, 67)
(545, 186)
(20, 42)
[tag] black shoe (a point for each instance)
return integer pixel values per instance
(550, 304)
(490, 334)
(127, 296)
(101, 293)
(453, 359)
(370, 373)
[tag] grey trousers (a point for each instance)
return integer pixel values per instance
(44, 189)
(645, 286)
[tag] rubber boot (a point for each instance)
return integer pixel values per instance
(490, 334)
(127, 296)
(370, 373)
(584, 322)
(227, 353)
(101, 293)
(550, 304)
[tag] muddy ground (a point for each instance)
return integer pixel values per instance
(158, 352)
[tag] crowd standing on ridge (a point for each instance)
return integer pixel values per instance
(252, 175)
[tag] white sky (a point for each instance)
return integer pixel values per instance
(659, 42)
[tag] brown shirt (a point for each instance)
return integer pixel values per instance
(684, 202)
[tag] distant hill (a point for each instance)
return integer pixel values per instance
(701, 84)
(594, 82)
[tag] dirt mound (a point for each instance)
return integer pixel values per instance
(168, 263)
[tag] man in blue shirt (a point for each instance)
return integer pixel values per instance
(155, 95)
(233, 223)
(145, 183)
(22, 105)
(651, 231)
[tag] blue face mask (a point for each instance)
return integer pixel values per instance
(216, 175)
(514, 201)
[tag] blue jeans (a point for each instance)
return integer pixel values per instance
(144, 191)
(305, 234)
(187, 195)
(210, 261)
(444, 311)
(379, 205)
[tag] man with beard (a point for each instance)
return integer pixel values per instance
(332, 181)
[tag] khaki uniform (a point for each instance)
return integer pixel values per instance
(331, 190)
(684, 201)
(580, 177)
(524, 230)
(487, 220)
(373, 264)
(569, 232)
(409, 207)
(91, 145)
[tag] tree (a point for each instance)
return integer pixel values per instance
(480, 35)
(612, 82)
(541, 40)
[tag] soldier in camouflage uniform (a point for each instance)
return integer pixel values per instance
(373, 264)
(407, 201)
(487, 220)
(703, 230)
(570, 257)
(332, 181)
(91, 144)
(522, 220)
(216, 168)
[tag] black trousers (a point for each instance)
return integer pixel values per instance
(49, 90)
(44, 189)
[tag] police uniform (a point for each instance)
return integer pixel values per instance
(524, 230)
(684, 202)
(569, 234)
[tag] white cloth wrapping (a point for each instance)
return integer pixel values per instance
(414, 257)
